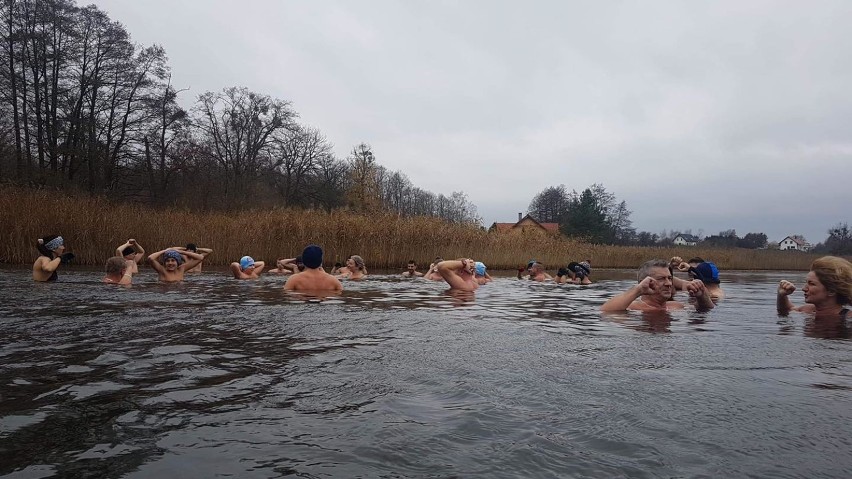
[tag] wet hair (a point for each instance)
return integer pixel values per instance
(438, 259)
(836, 275)
(127, 251)
(192, 247)
(359, 262)
(411, 261)
(696, 260)
(115, 265)
(647, 266)
(42, 249)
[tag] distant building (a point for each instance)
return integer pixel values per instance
(685, 240)
(524, 223)
(795, 243)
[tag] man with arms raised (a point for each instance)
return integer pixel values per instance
(247, 268)
(459, 274)
(173, 267)
(313, 278)
(654, 290)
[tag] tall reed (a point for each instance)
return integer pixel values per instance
(94, 226)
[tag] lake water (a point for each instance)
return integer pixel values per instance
(399, 378)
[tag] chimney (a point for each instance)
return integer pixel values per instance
(519, 216)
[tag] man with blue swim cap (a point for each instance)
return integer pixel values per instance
(247, 268)
(480, 273)
(697, 268)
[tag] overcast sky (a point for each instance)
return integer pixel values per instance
(705, 115)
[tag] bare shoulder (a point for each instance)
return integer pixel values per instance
(674, 305)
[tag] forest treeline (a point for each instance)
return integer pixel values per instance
(84, 108)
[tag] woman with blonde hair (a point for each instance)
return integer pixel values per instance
(827, 289)
(356, 267)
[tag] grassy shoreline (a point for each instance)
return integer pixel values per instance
(94, 226)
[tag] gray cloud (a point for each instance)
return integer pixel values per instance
(702, 115)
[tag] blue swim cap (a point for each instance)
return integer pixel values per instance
(246, 262)
(170, 253)
(707, 272)
(480, 268)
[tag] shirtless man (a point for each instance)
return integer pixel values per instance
(481, 273)
(411, 270)
(133, 253)
(536, 271)
(459, 274)
(117, 271)
(191, 247)
(313, 278)
(173, 267)
(654, 290)
(697, 268)
(247, 268)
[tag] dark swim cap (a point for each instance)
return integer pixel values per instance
(707, 272)
(127, 251)
(312, 256)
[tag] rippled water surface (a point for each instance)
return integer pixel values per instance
(399, 378)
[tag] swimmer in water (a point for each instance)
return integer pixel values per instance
(654, 290)
(827, 289)
(133, 253)
(459, 274)
(116, 271)
(52, 253)
(313, 278)
(411, 270)
(432, 274)
(481, 273)
(355, 268)
(247, 268)
(170, 265)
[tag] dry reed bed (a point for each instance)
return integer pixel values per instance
(94, 226)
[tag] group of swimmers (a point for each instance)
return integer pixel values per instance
(828, 286)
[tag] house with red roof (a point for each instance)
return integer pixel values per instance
(525, 223)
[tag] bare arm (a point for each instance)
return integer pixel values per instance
(140, 252)
(154, 261)
(447, 270)
(193, 259)
(622, 302)
(784, 305)
(51, 265)
(235, 270)
(258, 266)
(120, 249)
(696, 289)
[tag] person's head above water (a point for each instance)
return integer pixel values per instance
(116, 266)
(312, 256)
(479, 268)
(50, 245)
(192, 247)
(706, 271)
(129, 251)
(171, 254)
(246, 262)
(358, 262)
(835, 274)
